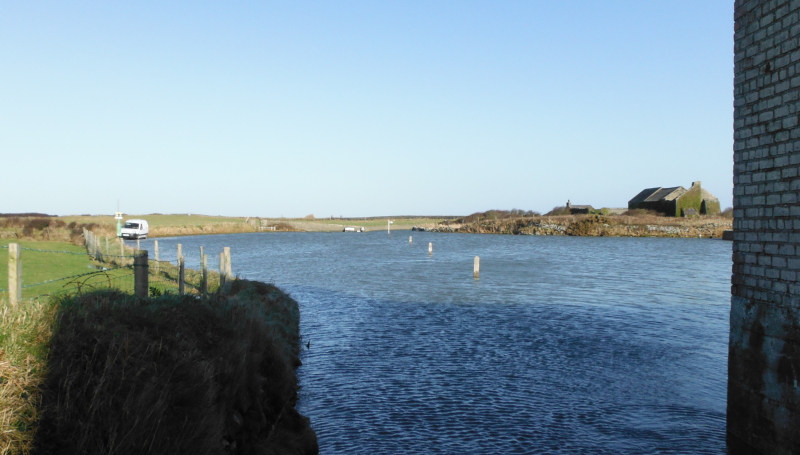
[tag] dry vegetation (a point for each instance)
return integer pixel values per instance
(24, 332)
(50, 229)
(630, 224)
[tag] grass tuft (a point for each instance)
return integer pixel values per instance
(24, 332)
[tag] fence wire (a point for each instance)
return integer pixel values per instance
(116, 271)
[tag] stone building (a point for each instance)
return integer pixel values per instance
(764, 346)
(578, 209)
(676, 201)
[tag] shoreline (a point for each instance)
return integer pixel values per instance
(596, 226)
(70, 228)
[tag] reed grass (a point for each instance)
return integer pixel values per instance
(24, 332)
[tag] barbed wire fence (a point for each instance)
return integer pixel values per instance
(117, 266)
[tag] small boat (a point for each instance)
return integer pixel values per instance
(353, 229)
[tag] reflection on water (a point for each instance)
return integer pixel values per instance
(564, 344)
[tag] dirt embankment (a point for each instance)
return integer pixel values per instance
(595, 226)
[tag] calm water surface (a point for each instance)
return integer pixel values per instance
(564, 344)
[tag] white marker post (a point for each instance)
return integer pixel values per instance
(410, 240)
(389, 226)
(430, 247)
(476, 269)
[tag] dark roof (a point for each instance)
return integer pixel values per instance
(655, 194)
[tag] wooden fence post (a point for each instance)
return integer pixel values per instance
(181, 276)
(122, 250)
(221, 269)
(476, 268)
(106, 246)
(180, 251)
(14, 273)
(140, 276)
(155, 250)
(228, 271)
(204, 284)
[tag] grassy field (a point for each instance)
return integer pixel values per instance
(156, 220)
(40, 266)
(177, 225)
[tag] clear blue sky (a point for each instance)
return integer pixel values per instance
(360, 108)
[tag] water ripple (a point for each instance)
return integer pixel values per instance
(563, 346)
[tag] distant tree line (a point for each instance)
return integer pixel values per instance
(26, 215)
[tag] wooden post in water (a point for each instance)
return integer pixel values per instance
(430, 247)
(228, 271)
(14, 273)
(204, 284)
(181, 276)
(476, 268)
(140, 275)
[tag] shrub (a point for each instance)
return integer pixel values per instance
(727, 213)
(34, 224)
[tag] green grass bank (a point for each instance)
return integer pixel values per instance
(106, 372)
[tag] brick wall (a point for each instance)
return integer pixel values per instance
(764, 354)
